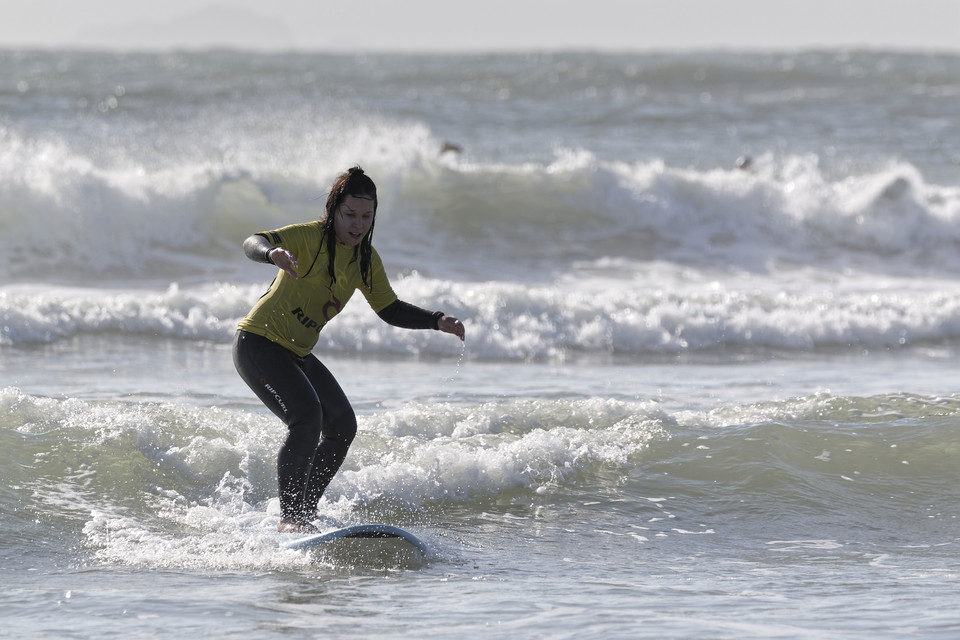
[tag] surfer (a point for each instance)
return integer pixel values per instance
(321, 264)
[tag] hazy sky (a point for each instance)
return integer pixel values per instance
(472, 25)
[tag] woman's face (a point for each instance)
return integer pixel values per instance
(353, 219)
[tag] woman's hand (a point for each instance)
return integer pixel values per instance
(449, 324)
(284, 259)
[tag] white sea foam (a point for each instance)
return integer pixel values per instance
(655, 312)
(162, 485)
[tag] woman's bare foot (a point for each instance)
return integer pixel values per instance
(288, 525)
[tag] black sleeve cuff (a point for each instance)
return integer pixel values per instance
(407, 316)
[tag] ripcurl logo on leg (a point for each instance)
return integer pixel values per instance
(275, 393)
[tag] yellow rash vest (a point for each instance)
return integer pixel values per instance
(294, 310)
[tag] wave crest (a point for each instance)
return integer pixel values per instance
(63, 213)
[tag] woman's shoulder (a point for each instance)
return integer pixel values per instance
(312, 226)
(375, 257)
(300, 232)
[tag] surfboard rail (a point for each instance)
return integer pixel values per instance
(357, 531)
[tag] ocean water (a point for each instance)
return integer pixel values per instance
(696, 399)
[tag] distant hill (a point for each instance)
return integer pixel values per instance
(208, 27)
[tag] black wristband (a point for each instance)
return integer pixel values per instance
(266, 255)
(437, 315)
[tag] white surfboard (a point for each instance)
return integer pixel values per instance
(358, 531)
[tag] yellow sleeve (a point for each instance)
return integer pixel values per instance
(301, 239)
(379, 294)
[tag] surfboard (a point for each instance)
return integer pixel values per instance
(358, 531)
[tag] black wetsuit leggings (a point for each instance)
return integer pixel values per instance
(320, 422)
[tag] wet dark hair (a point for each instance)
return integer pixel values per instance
(352, 182)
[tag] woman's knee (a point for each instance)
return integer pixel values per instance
(342, 428)
(305, 422)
